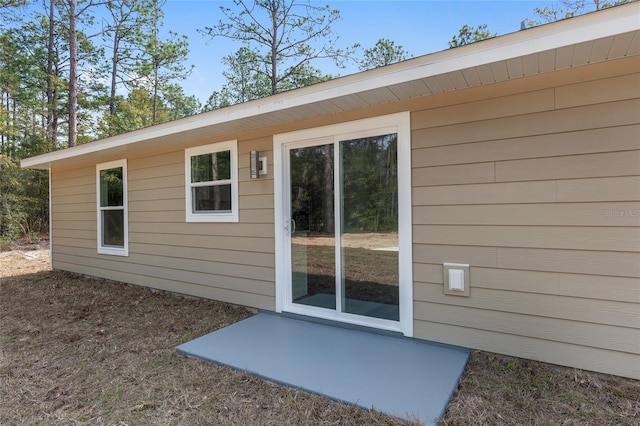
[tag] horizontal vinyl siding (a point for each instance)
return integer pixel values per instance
(73, 206)
(539, 192)
(232, 262)
(534, 182)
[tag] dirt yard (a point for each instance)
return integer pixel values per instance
(76, 350)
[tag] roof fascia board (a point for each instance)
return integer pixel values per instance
(534, 40)
(592, 26)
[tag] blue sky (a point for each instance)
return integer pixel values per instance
(419, 26)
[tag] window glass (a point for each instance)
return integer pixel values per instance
(111, 193)
(113, 228)
(111, 182)
(212, 198)
(211, 167)
(369, 226)
(211, 182)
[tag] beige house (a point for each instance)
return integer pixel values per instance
(486, 196)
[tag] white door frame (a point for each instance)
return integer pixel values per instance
(393, 123)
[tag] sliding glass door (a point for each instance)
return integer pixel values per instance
(342, 209)
(312, 216)
(368, 183)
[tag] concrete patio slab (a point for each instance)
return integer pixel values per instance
(405, 378)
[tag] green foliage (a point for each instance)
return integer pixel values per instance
(567, 9)
(304, 76)
(134, 112)
(217, 100)
(164, 59)
(124, 33)
(385, 52)
(468, 35)
(161, 61)
(245, 81)
(5, 4)
(8, 7)
(141, 60)
(23, 200)
(177, 104)
(111, 187)
(368, 181)
(370, 184)
(312, 188)
(34, 79)
(36, 101)
(22, 61)
(285, 37)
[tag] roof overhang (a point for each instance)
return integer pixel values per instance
(595, 37)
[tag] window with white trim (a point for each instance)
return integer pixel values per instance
(111, 190)
(211, 182)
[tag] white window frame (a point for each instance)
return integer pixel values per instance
(113, 250)
(399, 123)
(232, 216)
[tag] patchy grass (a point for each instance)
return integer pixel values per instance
(81, 350)
(502, 390)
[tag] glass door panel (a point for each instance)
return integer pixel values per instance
(346, 262)
(369, 227)
(313, 245)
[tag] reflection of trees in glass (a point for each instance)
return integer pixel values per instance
(111, 184)
(211, 167)
(312, 188)
(370, 184)
(113, 228)
(111, 203)
(369, 180)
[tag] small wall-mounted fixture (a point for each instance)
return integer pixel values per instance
(258, 164)
(456, 279)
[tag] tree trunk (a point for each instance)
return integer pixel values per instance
(155, 54)
(328, 189)
(73, 74)
(52, 116)
(114, 73)
(274, 47)
(4, 139)
(155, 92)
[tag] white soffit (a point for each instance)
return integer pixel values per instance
(599, 36)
